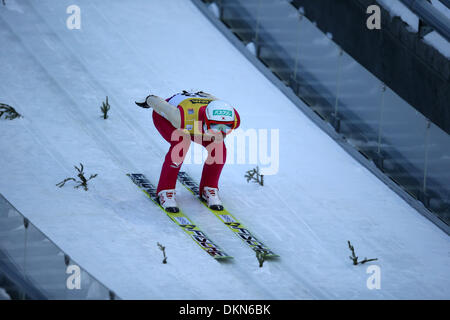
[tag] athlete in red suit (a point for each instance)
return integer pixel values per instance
(186, 117)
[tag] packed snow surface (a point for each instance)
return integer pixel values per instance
(320, 198)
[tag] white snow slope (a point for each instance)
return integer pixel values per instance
(320, 198)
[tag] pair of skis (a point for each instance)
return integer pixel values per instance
(193, 230)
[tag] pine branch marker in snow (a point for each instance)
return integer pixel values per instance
(367, 260)
(163, 249)
(354, 258)
(9, 112)
(105, 108)
(261, 256)
(83, 181)
(251, 176)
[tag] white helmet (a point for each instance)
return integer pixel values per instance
(220, 116)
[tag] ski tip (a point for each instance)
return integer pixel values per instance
(271, 255)
(224, 258)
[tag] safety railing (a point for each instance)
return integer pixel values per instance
(405, 145)
(445, 3)
(430, 15)
(37, 267)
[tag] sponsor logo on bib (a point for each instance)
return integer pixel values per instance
(200, 101)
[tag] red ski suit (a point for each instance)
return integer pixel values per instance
(212, 167)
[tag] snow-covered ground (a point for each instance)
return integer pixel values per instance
(320, 198)
(397, 8)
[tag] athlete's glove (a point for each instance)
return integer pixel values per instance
(144, 104)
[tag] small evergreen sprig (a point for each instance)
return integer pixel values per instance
(163, 249)
(9, 112)
(354, 258)
(82, 182)
(261, 256)
(255, 176)
(105, 108)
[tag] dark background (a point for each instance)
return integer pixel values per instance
(413, 69)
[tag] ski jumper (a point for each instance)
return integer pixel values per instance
(192, 114)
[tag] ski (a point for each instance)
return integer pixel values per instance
(228, 219)
(180, 219)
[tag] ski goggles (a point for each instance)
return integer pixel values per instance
(220, 126)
